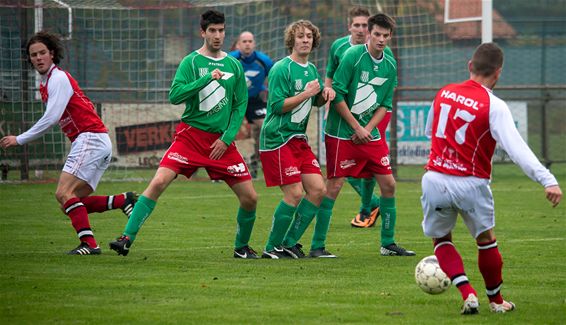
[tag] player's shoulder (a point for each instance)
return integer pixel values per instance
(282, 64)
(355, 52)
(235, 54)
(190, 58)
(389, 58)
(342, 41)
(263, 57)
(58, 75)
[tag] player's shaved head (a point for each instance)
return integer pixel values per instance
(246, 43)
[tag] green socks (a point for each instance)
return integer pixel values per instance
(303, 217)
(281, 220)
(322, 223)
(370, 201)
(356, 184)
(364, 187)
(142, 211)
(388, 218)
(246, 221)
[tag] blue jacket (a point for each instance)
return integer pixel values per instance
(256, 67)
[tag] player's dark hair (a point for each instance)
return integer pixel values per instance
(487, 58)
(357, 12)
(381, 20)
(294, 27)
(211, 17)
(51, 41)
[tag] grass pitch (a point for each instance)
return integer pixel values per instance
(181, 270)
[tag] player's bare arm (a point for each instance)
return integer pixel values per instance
(311, 89)
(361, 134)
(378, 115)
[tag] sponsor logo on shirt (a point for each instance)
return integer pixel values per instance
(216, 64)
(178, 157)
(344, 164)
(449, 160)
(460, 99)
(290, 171)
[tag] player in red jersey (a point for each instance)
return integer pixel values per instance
(465, 122)
(91, 149)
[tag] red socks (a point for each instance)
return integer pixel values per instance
(77, 212)
(491, 264)
(103, 203)
(451, 263)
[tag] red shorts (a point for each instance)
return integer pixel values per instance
(286, 164)
(190, 150)
(346, 159)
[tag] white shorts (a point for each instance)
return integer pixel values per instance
(446, 195)
(89, 157)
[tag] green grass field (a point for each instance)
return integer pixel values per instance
(181, 270)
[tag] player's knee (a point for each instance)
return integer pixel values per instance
(249, 200)
(333, 187)
(318, 192)
(62, 195)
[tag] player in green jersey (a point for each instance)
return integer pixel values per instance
(364, 83)
(358, 28)
(213, 88)
(288, 161)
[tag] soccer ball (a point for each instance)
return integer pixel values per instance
(430, 277)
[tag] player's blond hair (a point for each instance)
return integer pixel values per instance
(357, 12)
(296, 26)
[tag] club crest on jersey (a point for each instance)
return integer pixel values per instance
(315, 163)
(202, 71)
(298, 84)
(385, 161)
(364, 77)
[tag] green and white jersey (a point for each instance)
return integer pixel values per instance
(336, 51)
(215, 106)
(365, 84)
(287, 78)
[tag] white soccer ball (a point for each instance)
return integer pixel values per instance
(430, 277)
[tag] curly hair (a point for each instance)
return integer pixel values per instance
(51, 41)
(293, 28)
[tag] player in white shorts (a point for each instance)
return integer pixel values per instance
(465, 122)
(91, 149)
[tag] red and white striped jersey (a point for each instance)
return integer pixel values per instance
(465, 122)
(65, 104)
